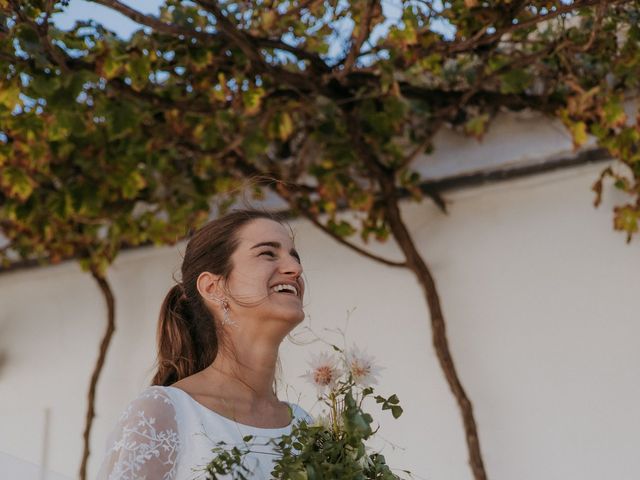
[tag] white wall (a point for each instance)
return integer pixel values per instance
(540, 298)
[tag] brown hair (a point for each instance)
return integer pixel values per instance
(188, 340)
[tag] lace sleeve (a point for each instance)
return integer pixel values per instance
(145, 443)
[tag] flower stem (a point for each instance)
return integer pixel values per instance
(334, 413)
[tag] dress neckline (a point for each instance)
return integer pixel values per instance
(230, 420)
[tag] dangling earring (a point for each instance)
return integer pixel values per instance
(226, 319)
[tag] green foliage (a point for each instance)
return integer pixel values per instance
(107, 142)
(333, 446)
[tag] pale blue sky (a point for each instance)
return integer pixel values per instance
(124, 27)
(121, 25)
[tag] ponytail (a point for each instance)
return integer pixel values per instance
(186, 338)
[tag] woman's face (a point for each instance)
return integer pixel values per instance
(265, 281)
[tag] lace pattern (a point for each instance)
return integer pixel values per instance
(145, 445)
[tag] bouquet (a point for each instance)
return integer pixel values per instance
(334, 446)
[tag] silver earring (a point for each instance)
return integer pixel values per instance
(226, 319)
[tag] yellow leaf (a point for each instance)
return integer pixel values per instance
(477, 126)
(252, 100)
(17, 183)
(285, 127)
(626, 219)
(9, 96)
(269, 17)
(111, 67)
(198, 131)
(579, 133)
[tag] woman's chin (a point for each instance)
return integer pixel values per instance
(294, 317)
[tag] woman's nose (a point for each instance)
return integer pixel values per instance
(291, 266)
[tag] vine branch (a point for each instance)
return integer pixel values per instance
(107, 292)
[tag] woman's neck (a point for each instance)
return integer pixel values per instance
(250, 367)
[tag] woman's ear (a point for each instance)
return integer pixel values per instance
(210, 286)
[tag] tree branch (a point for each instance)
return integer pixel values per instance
(473, 43)
(363, 34)
(42, 31)
(314, 60)
(105, 288)
(282, 190)
(249, 46)
(153, 22)
(226, 28)
(287, 191)
(418, 266)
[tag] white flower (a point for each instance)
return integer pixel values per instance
(361, 366)
(324, 371)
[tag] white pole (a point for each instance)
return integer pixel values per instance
(44, 459)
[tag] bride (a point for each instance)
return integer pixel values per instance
(218, 337)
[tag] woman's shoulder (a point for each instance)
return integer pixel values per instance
(152, 408)
(145, 439)
(154, 397)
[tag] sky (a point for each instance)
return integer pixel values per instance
(124, 27)
(120, 24)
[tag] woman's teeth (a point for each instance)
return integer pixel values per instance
(286, 288)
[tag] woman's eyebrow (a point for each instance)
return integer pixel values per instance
(293, 251)
(266, 244)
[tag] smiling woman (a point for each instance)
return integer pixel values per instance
(218, 337)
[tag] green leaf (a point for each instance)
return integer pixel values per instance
(121, 118)
(44, 85)
(16, 183)
(111, 67)
(9, 96)
(342, 228)
(514, 81)
(477, 126)
(133, 184)
(626, 219)
(285, 126)
(252, 100)
(579, 133)
(138, 68)
(613, 112)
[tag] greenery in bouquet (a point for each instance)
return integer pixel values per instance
(336, 444)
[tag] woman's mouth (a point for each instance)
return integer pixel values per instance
(285, 288)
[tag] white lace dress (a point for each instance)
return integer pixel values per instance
(164, 434)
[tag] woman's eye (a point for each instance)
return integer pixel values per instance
(269, 253)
